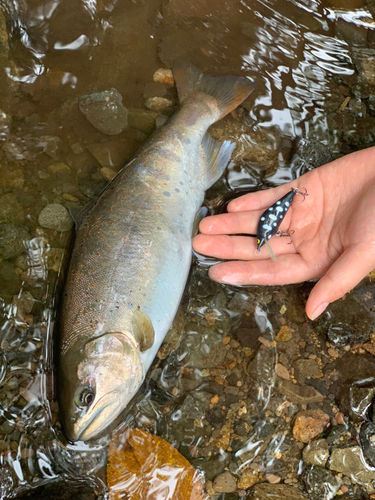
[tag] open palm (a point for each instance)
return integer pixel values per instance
(333, 239)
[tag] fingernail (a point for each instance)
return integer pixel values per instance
(318, 311)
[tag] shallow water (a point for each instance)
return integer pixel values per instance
(213, 391)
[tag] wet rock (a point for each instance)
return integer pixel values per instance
(54, 259)
(352, 33)
(12, 240)
(251, 145)
(105, 111)
(59, 170)
(112, 154)
(107, 173)
(55, 216)
(224, 483)
(158, 104)
(51, 146)
(321, 484)
(164, 75)
(142, 119)
(155, 89)
(23, 304)
(11, 178)
(367, 439)
(206, 349)
(302, 394)
(249, 478)
(61, 490)
(282, 372)
(10, 210)
(284, 334)
(361, 397)
(261, 368)
(349, 461)
(357, 107)
(275, 492)
(91, 188)
(305, 369)
(309, 424)
(310, 154)
(316, 453)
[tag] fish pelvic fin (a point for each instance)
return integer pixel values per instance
(229, 91)
(216, 156)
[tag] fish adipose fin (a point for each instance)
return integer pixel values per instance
(143, 330)
(229, 91)
(216, 156)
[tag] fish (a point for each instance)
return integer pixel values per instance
(132, 255)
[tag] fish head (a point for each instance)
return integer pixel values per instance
(106, 376)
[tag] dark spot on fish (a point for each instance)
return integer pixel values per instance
(187, 141)
(167, 177)
(181, 183)
(177, 190)
(166, 193)
(158, 228)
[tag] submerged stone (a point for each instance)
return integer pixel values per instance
(105, 111)
(12, 240)
(55, 216)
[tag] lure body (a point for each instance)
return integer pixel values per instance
(271, 219)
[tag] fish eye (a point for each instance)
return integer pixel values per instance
(85, 396)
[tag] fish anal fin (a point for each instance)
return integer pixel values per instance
(216, 156)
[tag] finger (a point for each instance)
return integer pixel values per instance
(238, 247)
(243, 222)
(290, 268)
(260, 200)
(346, 272)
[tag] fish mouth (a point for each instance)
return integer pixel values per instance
(110, 408)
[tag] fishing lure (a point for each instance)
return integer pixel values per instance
(271, 219)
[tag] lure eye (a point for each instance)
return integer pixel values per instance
(258, 241)
(85, 396)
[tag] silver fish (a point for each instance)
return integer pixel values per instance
(132, 256)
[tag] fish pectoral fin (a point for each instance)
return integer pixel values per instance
(216, 156)
(79, 214)
(143, 330)
(203, 211)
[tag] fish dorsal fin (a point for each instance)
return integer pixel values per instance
(228, 91)
(216, 157)
(200, 215)
(143, 330)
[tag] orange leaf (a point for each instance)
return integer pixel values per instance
(142, 466)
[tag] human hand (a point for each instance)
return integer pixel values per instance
(334, 236)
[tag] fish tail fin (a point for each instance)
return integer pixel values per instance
(229, 91)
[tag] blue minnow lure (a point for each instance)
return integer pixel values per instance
(271, 219)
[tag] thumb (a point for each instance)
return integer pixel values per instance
(344, 274)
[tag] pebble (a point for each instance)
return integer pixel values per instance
(105, 111)
(273, 479)
(224, 483)
(267, 491)
(316, 453)
(55, 216)
(10, 209)
(301, 394)
(281, 371)
(158, 103)
(23, 304)
(305, 369)
(142, 119)
(59, 169)
(108, 173)
(51, 146)
(284, 334)
(11, 240)
(349, 461)
(309, 424)
(249, 478)
(164, 75)
(11, 178)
